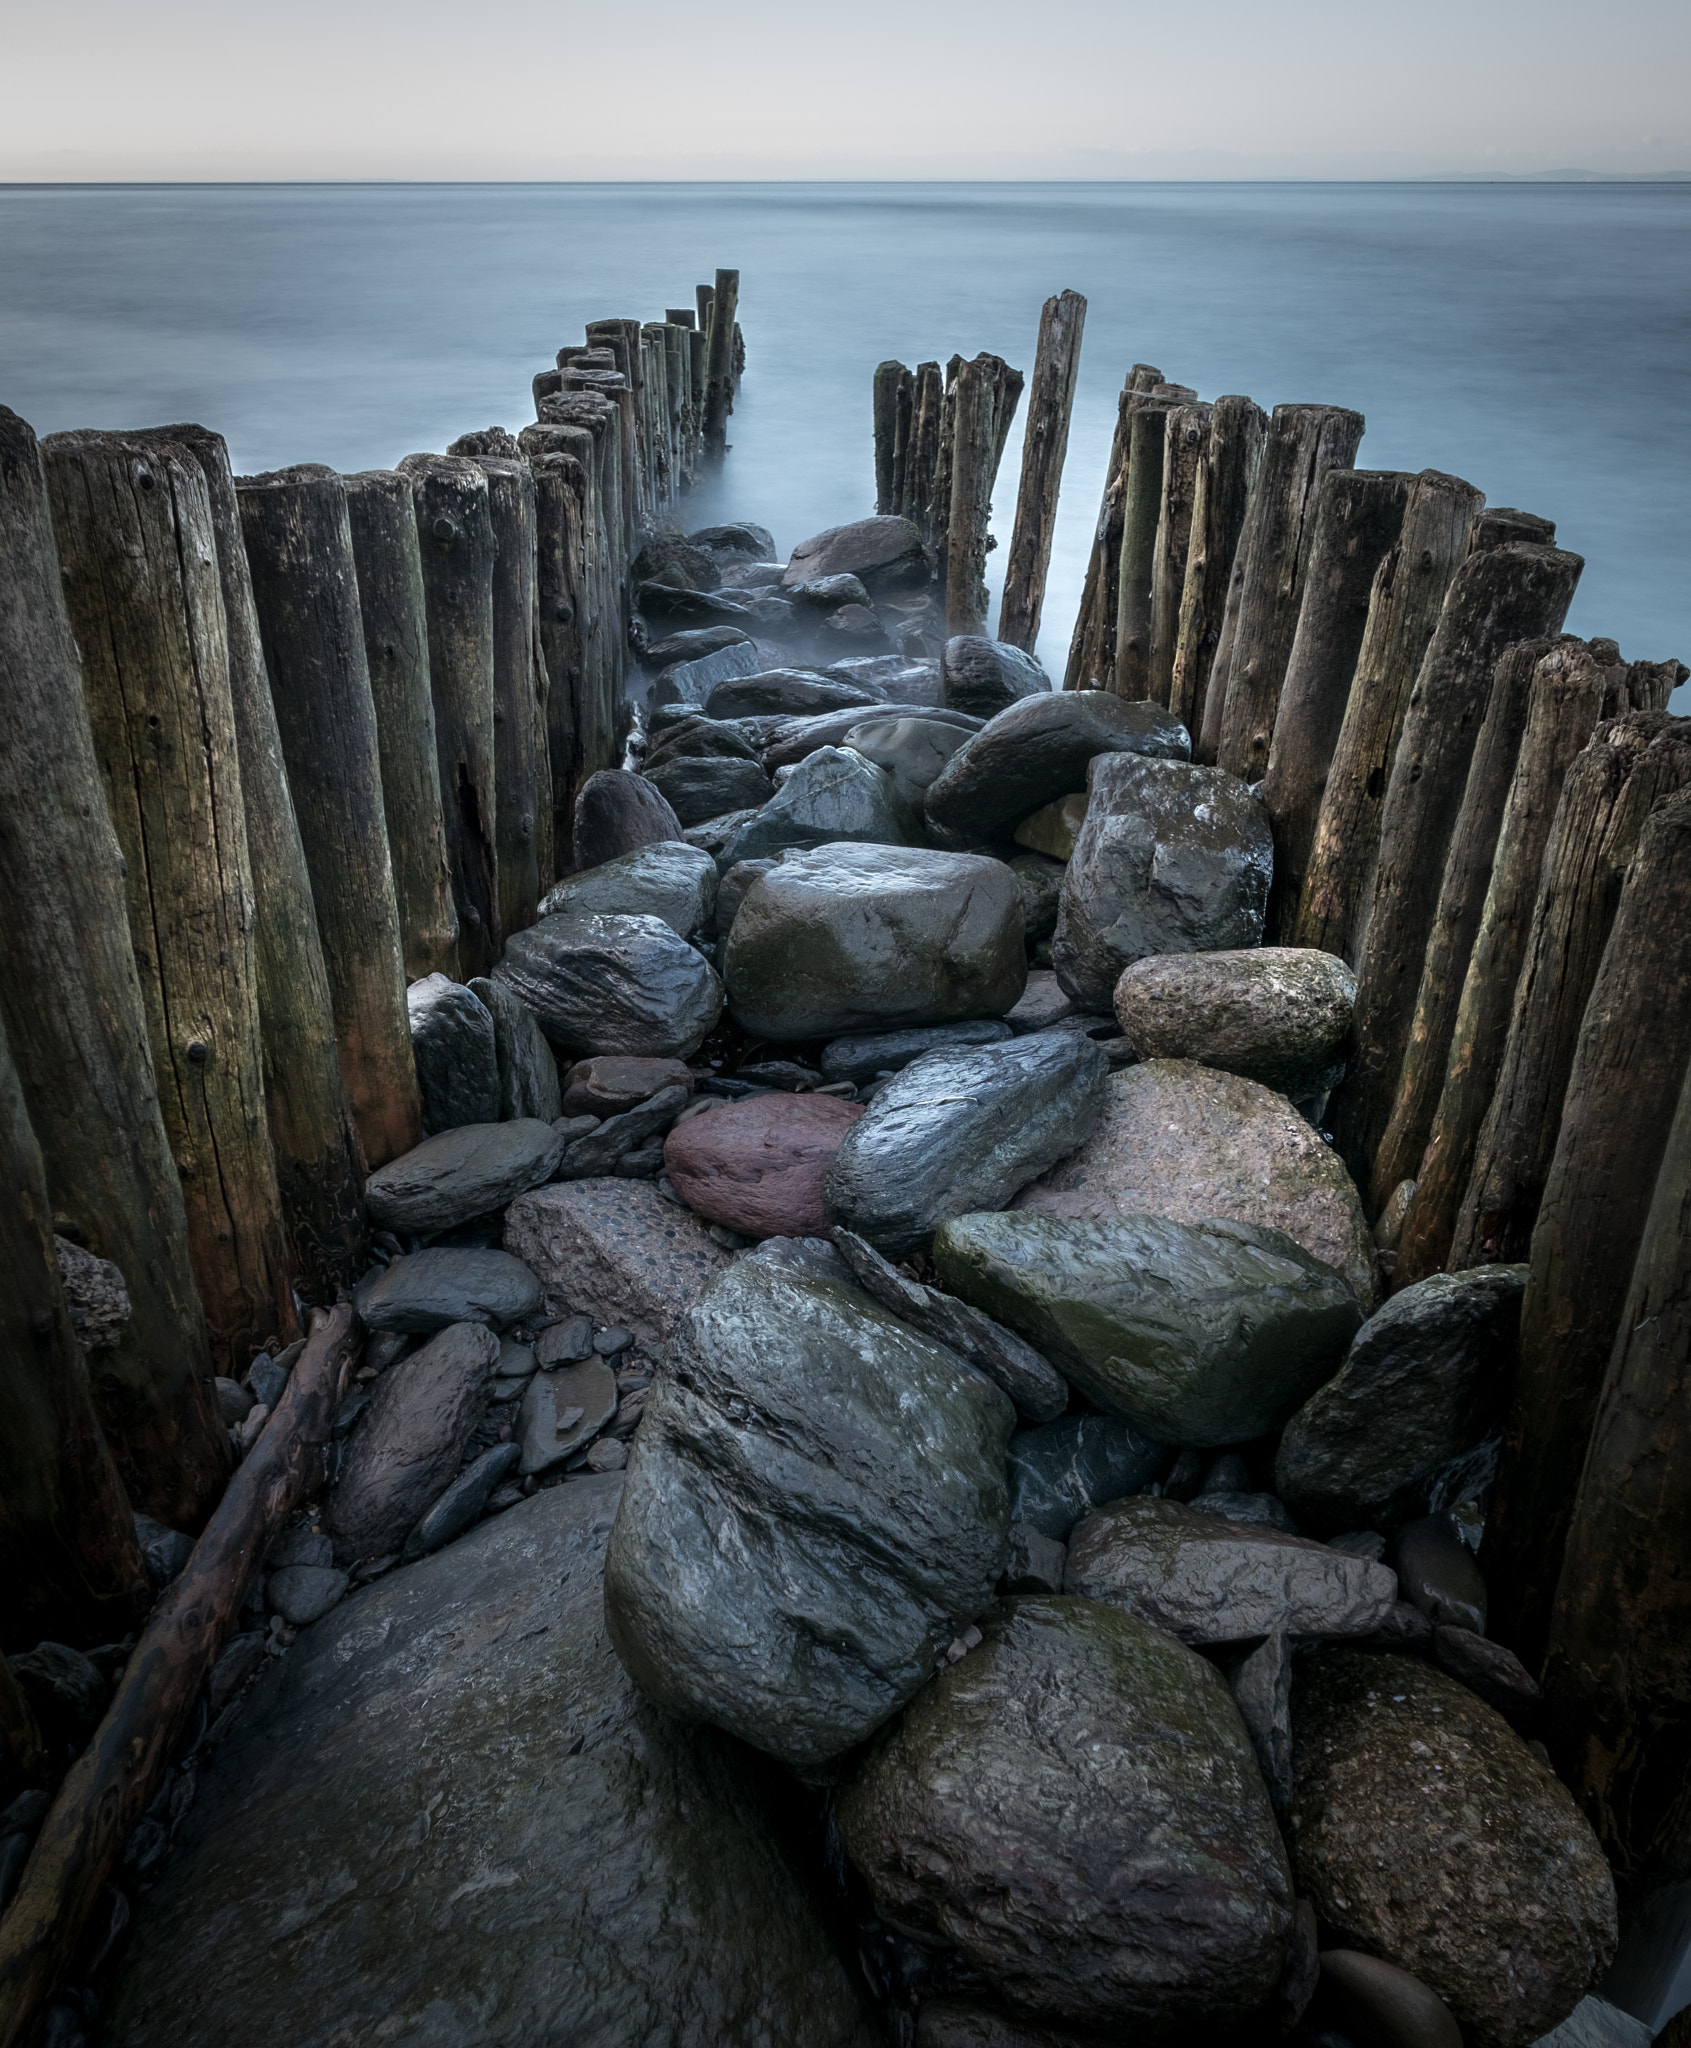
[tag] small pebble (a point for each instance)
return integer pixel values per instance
(614, 1341)
(565, 1343)
(607, 1455)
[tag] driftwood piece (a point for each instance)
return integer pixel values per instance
(71, 1002)
(519, 709)
(1092, 648)
(110, 1785)
(1183, 454)
(1226, 474)
(1045, 442)
(139, 558)
(1141, 515)
(1519, 592)
(1403, 611)
(719, 366)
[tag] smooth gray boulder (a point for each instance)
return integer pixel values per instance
(693, 736)
(304, 1593)
(1210, 1581)
(1037, 750)
(1414, 1418)
(528, 1074)
(433, 1289)
(458, 1174)
(1076, 1806)
(885, 554)
(815, 1507)
(409, 1442)
(959, 1131)
(863, 1055)
(786, 693)
(1280, 1015)
(689, 681)
(452, 1041)
(448, 1811)
(731, 891)
(793, 738)
(1212, 1333)
(613, 984)
(1063, 1470)
(697, 788)
(668, 879)
(833, 796)
(1173, 858)
(866, 938)
(616, 811)
(738, 537)
(987, 676)
(461, 1505)
(911, 750)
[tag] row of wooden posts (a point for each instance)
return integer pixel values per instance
(271, 748)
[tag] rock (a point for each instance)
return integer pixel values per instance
(693, 643)
(1406, 1628)
(1211, 1333)
(1413, 1420)
(688, 682)
(739, 538)
(95, 1295)
(1594, 2023)
(716, 835)
(617, 1250)
(814, 1507)
(1426, 1832)
(731, 892)
(1277, 1014)
(1209, 1581)
(608, 1085)
(268, 1376)
(1437, 1572)
(1076, 1807)
(1377, 2004)
(615, 812)
(1035, 751)
(828, 593)
(566, 1342)
(963, 2023)
(1042, 893)
(562, 1411)
(1060, 1472)
(985, 677)
(613, 984)
(667, 879)
(865, 1054)
(698, 789)
(1262, 1691)
(1172, 858)
(461, 1505)
(1189, 1142)
(693, 736)
(794, 738)
(667, 558)
(786, 693)
(758, 1165)
(961, 1131)
(678, 601)
(234, 1402)
(528, 1074)
(1490, 1669)
(1037, 1389)
(832, 796)
(1043, 1003)
(303, 1593)
(1035, 1563)
(461, 1173)
(240, 1658)
(457, 1057)
(860, 938)
(1253, 1510)
(601, 1151)
(431, 1290)
(387, 1869)
(300, 1545)
(911, 750)
(66, 1691)
(1368, 1543)
(1053, 829)
(885, 554)
(409, 1441)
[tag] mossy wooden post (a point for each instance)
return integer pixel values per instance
(455, 532)
(884, 417)
(1045, 443)
(986, 392)
(1571, 690)
(927, 405)
(72, 1567)
(1632, 1057)
(1304, 442)
(139, 556)
(1227, 472)
(1619, 1669)
(389, 562)
(71, 1002)
(1187, 437)
(1142, 504)
(299, 549)
(1631, 763)
(1092, 647)
(1519, 592)
(1403, 611)
(518, 718)
(1358, 517)
(319, 1160)
(719, 369)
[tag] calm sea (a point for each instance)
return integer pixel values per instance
(1529, 337)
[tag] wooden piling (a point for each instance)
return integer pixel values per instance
(984, 396)
(598, 702)
(1045, 442)
(1142, 503)
(562, 600)
(884, 412)
(927, 406)
(1227, 472)
(1187, 437)
(719, 368)
(1092, 647)
(519, 706)
(139, 559)
(299, 549)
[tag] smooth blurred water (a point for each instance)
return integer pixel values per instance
(1532, 338)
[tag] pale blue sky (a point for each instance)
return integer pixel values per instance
(214, 89)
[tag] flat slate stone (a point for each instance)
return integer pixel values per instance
(791, 739)
(452, 1041)
(435, 1288)
(667, 879)
(461, 1173)
(562, 1411)
(613, 984)
(528, 1074)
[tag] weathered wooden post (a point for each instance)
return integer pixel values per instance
(563, 601)
(622, 338)
(1227, 473)
(606, 648)
(1519, 592)
(884, 415)
(904, 413)
(1045, 443)
(1632, 1057)
(518, 706)
(927, 405)
(986, 394)
(944, 457)
(299, 548)
(1304, 442)
(1142, 504)
(1403, 610)
(1092, 647)
(719, 371)
(139, 557)
(389, 562)
(71, 1001)
(1183, 453)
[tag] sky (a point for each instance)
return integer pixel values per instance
(101, 90)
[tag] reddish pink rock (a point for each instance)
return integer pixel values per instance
(608, 1085)
(758, 1165)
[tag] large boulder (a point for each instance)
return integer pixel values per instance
(739, 537)
(453, 1044)
(1063, 1470)
(1076, 1806)
(447, 1816)
(1276, 1014)
(528, 1074)
(960, 1131)
(1036, 751)
(1191, 1142)
(668, 558)
(697, 787)
(616, 811)
(912, 750)
(786, 693)
(758, 1166)
(1206, 1580)
(884, 554)
(1173, 858)
(433, 1289)
(864, 938)
(984, 676)
(833, 796)
(1413, 1420)
(667, 879)
(693, 736)
(461, 1173)
(815, 1508)
(1425, 1831)
(614, 984)
(689, 680)
(1212, 1333)
(793, 738)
